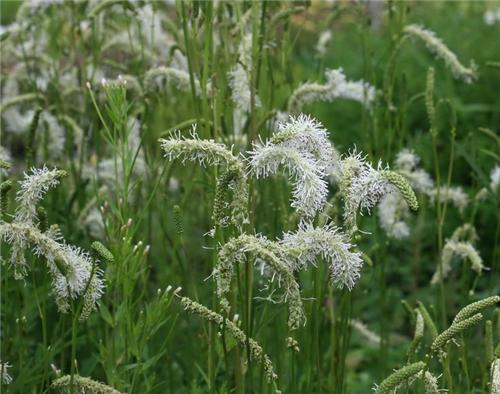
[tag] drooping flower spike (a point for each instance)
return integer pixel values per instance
(255, 350)
(440, 50)
(308, 177)
(73, 272)
(307, 135)
(309, 243)
(211, 153)
(81, 385)
(336, 86)
(274, 257)
(361, 186)
(300, 147)
(461, 245)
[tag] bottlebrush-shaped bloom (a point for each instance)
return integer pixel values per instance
(361, 186)
(73, 273)
(495, 178)
(274, 257)
(461, 245)
(205, 152)
(240, 88)
(309, 243)
(32, 190)
(70, 267)
(453, 194)
(440, 50)
(302, 149)
(211, 153)
(307, 135)
(495, 375)
(179, 77)
(81, 385)
(323, 41)
(255, 350)
(4, 373)
(336, 86)
(406, 164)
(392, 210)
(307, 175)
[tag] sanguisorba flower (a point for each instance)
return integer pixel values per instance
(440, 50)
(460, 245)
(407, 164)
(81, 385)
(4, 372)
(495, 376)
(273, 256)
(336, 87)
(327, 242)
(361, 186)
(307, 175)
(392, 210)
(210, 153)
(453, 194)
(32, 190)
(300, 147)
(240, 88)
(255, 350)
(307, 135)
(73, 272)
(179, 77)
(323, 41)
(495, 178)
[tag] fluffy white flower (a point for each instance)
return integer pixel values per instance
(34, 7)
(454, 195)
(94, 223)
(438, 48)
(359, 91)
(309, 243)
(155, 77)
(4, 368)
(407, 160)
(301, 146)
(406, 164)
(205, 152)
(70, 267)
(245, 50)
(362, 186)
(323, 40)
(209, 152)
(17, 122)
(263, 251)
(31, 191)
(307, 175)
(461, 246)
(336, 86)
(392, 209)
(495, 178)
(56, 133)
(491, 17)
(151, 29)
(420, 180)
(240, 88)
(308, 136)
(365, 332)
